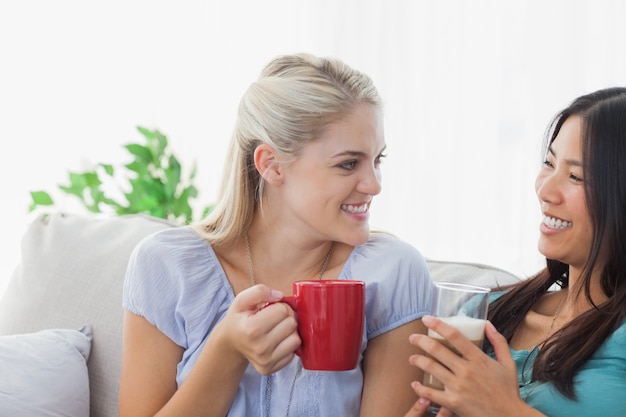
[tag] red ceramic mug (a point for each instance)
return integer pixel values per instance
(330, 316)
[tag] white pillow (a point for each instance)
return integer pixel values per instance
(44, 374)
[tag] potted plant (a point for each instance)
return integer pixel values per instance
(151, 183)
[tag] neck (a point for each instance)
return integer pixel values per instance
(578, 302)
(279, 264)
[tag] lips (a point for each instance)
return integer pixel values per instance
(355, 208)
(555, 223)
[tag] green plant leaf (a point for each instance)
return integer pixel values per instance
(147, 133)
(41, 198)
(108, 168)
(159, 145)
(142, 153)
(155, 178)
(172, 175)
(138, 167)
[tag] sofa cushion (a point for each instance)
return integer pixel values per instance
(470, 273)
(45, 373)
(71, 273)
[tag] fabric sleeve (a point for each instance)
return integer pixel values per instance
(167, 282)
(398, 283)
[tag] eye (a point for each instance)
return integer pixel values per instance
(548, 164)
(379, 159)
(576, 178)
(349, 165)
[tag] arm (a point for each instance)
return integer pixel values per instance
(149, 360)
(265, 338)
(475, 384)
(148, 383)
(387, 376)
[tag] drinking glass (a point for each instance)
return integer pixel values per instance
(464, 307)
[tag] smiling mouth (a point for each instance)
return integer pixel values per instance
(361, 208)
(554, 223)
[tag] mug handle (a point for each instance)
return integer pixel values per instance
(292, 301)
(288, 299)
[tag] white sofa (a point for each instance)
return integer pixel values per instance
(70, 276)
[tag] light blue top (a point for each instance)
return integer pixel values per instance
(600, 384)
(176, 282)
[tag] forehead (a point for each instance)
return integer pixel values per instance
(363, 128)
(568, 140)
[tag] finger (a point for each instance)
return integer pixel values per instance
(457, 340)
(438, 357)
(426, 397)
(419, 408)
(253, 298)
(444, 412)
(433, 370)
(500, 346)
(274, 321)
(272, 339)
(282, 328)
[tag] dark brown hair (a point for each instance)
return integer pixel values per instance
(603, 141)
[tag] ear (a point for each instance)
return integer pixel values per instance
(267, 163)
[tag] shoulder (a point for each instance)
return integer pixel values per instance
(617, 341)
(176, 238)
(397, 282)
(174, 279)
(172, 249)
(387, 260)
(172, 257)
(384, 246)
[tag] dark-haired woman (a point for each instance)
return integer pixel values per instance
(561, 345)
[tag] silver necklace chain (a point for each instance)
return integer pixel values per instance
(542, 343)
(556, 313)
(268, 389)
(251, 269)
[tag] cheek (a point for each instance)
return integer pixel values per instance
(580, 213)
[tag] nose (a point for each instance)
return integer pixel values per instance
(547, 188)
(371, 182)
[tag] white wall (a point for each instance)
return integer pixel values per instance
(469, 88)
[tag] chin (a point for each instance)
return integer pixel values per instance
(551, 254)
(357, 239)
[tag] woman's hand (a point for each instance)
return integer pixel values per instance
(420, 408)
(265, 335)
(475, 384)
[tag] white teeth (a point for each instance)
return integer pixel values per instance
(354, 209)
(555, 223)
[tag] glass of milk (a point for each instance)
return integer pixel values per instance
(464, 307)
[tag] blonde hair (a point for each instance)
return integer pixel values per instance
(294, 100)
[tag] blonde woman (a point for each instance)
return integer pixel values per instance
(302, 170)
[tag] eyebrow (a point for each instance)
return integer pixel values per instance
(573, 162)
(357, 154)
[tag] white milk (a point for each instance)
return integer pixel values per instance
(473, 329)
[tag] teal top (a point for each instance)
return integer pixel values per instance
(600, 385)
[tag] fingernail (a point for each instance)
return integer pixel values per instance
(277, 294)
(422, 400)
(427, 319)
